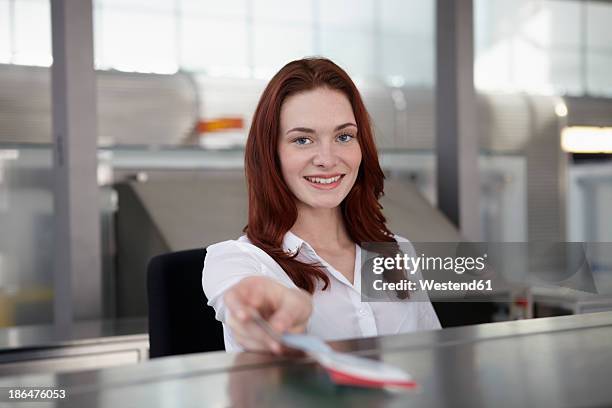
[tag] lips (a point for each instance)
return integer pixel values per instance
(324, 182)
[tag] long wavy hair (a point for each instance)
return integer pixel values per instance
(272, 206)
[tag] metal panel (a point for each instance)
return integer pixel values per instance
(87, 345)
(77, 273)
(458, 175)
(546, 174)
(589, 111)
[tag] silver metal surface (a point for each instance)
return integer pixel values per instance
(457, 173)
(85, 345)
(77, 272)
(575, 302)
(560, 361)
(88, 332)
(547, 175)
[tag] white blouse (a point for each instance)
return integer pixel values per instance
(338, 312)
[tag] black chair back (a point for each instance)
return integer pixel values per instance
(180, 321)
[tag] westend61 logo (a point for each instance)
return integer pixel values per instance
(460, 271)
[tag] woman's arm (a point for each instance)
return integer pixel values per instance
(236, 286)
(285, 309)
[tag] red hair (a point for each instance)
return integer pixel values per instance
(272, 207)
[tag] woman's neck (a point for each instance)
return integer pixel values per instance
(322, 228)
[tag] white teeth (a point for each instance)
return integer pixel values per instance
(323, 180)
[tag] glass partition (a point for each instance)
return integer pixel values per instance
(26, 235)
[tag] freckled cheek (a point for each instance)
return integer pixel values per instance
(293, 165)
(355, 159)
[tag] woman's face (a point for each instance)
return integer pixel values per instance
(318, 148)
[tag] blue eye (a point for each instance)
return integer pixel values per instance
(345, 138)
(301, 141)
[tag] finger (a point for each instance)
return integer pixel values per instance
(249, 344)
(258, 344)
(282, 320)
(244, 297)
(256, 293)
(257, 337)
(248, 341)
(294, 310)
(301, 328)
(243, 327)
(235, 304)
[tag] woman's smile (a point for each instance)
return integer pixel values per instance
(323, 182)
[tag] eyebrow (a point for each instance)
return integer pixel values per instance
(308, 130)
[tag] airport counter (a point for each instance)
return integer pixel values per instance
(556, 362)
(83, 345)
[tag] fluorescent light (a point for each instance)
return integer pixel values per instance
(587, 139)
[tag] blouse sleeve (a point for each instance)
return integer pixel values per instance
(226, 264)
(428, 319)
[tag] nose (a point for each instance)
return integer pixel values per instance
(325, 156)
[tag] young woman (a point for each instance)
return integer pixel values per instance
(314, 182)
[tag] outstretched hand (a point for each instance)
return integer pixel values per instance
(285, 309)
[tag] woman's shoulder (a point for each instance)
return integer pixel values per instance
(227, 260)
(225, 264)
(241, 244)
(399, 239)
(240, 248)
